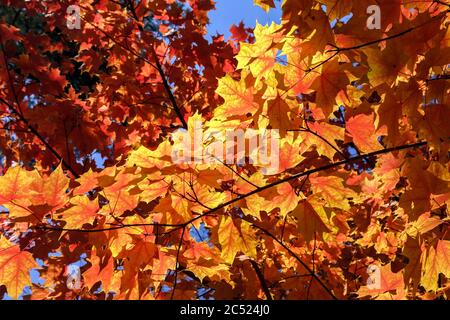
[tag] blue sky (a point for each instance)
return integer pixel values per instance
(229, 12)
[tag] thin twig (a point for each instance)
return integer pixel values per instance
(293, 254)
(176, 264)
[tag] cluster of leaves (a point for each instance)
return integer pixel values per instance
(364, 152)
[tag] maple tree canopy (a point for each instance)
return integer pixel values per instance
(87, 126)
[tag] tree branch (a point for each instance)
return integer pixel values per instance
(157, 66)
(261, 280)
(339, 152)
(168, 90)
(19, 114)
(440, 2)
(176, 264)
(246, 195)
(306, 173)
(295, 176)
(160, 71)
(293, 254)
(337, 49)
(439, 77)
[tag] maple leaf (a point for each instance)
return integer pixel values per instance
(413, 269)
(9, 32)
(88, 135)
(82, 211)
(260, 56)
(87, 182)
(279, 112)
(310, 221)
(207, 198)
(15, 185)
(234, 239)
(287, 199)
(15, 266)
(362, 129)
(320, 130)
(146, 158)
(238, 32)
(15, 191)
(432, 124)
(423, 224)
(337, 10)
(265, 4)
(332, 81)
(255, 204)
(119, 197)
(290, 153)
(422, 184)
(201, 250)
(385, 64)
(435, 261)
(51, 190)
(332, 190)
(384, 281)
(215, 272)
(239, 99)
(99, 271)
(152, 189)
(162, 265)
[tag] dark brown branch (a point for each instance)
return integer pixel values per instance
(235, 172)
(308, 172)
(439, 77)
(168, 90)
(205, 293)
(268, 186)
(158, 67)
(19, 114)
(337, 49)
(176, 264)
(321, 138)
(261, 280)
(440, 2)
(296, 257)
(374, 41)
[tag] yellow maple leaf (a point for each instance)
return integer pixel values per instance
(15, 268)
(234, 239)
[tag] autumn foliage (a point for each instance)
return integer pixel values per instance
(87, 126)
